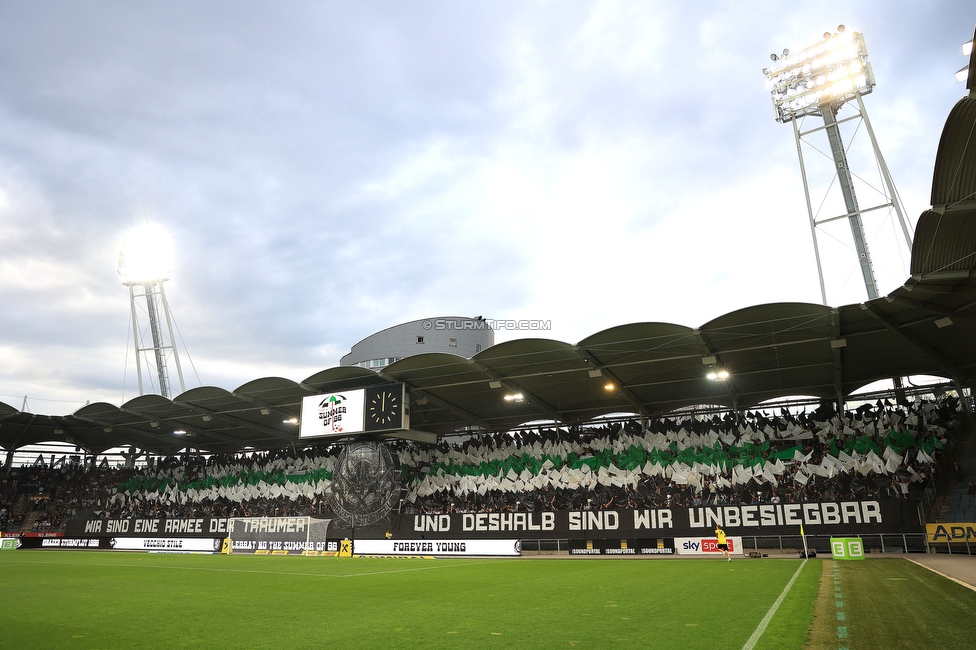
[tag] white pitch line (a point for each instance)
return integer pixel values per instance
(751, 643)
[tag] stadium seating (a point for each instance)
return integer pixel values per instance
(875, 451)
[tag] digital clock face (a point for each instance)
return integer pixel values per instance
(384, 408)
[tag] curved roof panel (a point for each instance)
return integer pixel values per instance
(954, 179)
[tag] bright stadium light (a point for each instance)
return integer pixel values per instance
(818, 81)
(146, 255)
(145, 260)
(834, 70)
(514, 397)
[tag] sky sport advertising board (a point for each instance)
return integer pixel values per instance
(706, 546)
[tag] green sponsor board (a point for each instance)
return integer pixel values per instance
(8, 544)
(847, 548)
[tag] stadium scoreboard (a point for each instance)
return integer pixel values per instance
(377, 409)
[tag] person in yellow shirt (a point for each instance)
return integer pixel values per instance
(723, 543)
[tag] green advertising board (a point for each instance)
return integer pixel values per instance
(847, 548)
(8, 544)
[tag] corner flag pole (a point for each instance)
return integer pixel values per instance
(806, 553)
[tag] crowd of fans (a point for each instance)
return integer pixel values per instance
(877, 451)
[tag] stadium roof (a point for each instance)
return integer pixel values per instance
(925, 327)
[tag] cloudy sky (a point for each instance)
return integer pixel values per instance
(327, 169)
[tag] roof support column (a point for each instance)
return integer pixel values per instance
(837, 346)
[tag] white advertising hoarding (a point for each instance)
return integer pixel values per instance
(446, 547)
(167, 545)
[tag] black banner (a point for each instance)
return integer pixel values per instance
(817, 518)
(132, 527)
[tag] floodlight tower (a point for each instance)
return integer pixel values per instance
(819, 81)
(143, 265)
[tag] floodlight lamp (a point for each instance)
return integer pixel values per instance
(962, 74)
(179, 432)
(146, 255)
(514, 397)
(831, 72)
(712, 376)
(967, 48)
(290, 421)
(609, 386)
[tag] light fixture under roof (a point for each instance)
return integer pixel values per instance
(514, 397)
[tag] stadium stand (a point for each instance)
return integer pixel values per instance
(878, 450)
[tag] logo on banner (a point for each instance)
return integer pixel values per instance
(331, 410)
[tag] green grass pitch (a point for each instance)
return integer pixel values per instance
(78, 599)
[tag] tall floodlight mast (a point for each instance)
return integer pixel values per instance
(818, 81)
(144, 267)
